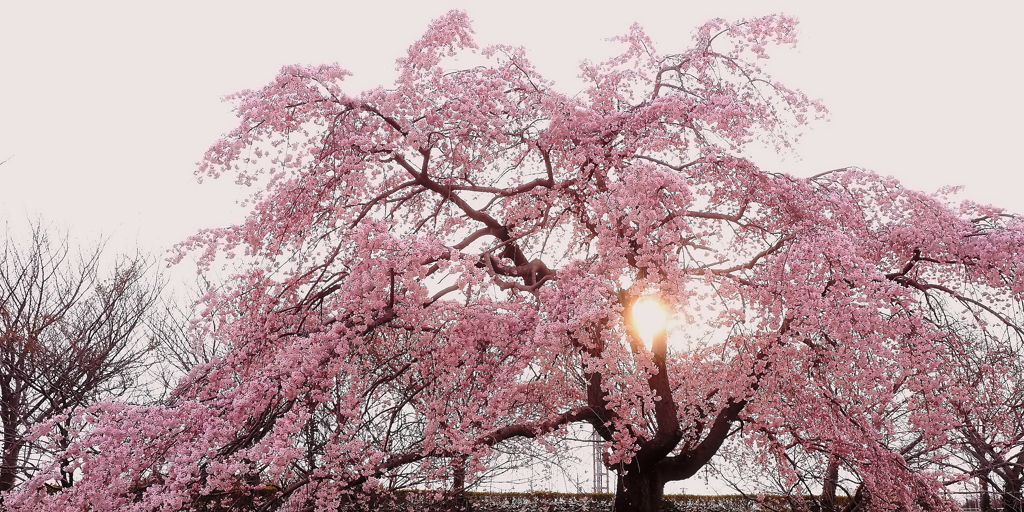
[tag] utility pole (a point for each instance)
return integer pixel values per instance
(601, 477)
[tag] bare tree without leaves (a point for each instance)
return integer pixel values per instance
(71, 333)
(180, 344)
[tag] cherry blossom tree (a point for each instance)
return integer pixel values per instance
(448, 266)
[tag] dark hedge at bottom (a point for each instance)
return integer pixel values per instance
(556, 502)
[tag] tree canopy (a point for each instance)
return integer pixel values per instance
(435, 271)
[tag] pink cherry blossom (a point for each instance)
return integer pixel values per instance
(443, 268)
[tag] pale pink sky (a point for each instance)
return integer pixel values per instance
(106, 106)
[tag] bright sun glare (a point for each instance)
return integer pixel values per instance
(649, 318)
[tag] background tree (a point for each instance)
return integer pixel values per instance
(70, 335)
(453, 263)
(179, 343)
(987, 444)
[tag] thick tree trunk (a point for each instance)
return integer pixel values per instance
(639, 491)
(827, 501)
(10, 448)
(1012, 497)
(9, 462)
(459, 499)
(859, 501)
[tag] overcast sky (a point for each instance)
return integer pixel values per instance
(105, 107)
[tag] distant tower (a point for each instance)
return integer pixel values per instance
(601, 477)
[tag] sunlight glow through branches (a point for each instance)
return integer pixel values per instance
(650, 318)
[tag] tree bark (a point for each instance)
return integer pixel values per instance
(10, 450)
(459, 499)
(639, 491)
(827, 501)
(1011, 497)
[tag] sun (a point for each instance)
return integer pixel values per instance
(649, 318)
